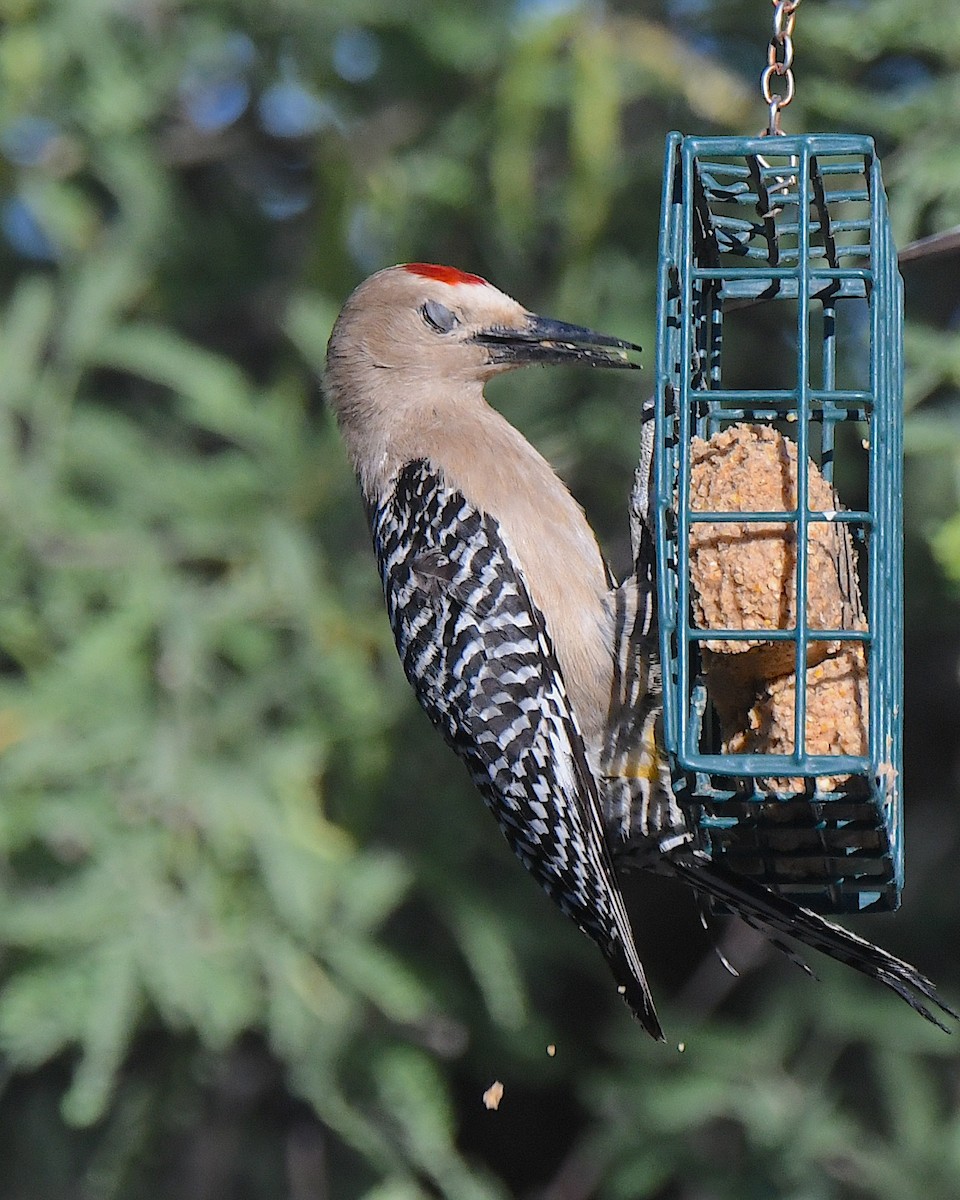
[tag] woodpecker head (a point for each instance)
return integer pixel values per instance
(422, 319)
(416, 342)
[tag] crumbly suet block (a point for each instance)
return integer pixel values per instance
(744, 578)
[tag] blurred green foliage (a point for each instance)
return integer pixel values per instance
(257, 935)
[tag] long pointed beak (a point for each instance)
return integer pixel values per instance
(543, 340)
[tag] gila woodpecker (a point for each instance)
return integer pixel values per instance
(540, 672)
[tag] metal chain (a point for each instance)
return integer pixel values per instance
(779, 62)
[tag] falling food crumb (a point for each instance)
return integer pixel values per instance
(493, 1095)
(551, 1049)
(681, 1046)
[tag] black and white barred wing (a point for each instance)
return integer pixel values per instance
(475, 648)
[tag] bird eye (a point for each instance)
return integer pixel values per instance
(438, 316)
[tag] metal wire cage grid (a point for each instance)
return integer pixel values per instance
(800, 224)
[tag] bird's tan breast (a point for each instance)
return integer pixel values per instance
(552, 544)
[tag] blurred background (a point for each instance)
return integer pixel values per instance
(258, 936)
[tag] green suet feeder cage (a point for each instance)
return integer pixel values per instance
(791, 231)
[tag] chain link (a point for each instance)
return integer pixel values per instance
(779, 63)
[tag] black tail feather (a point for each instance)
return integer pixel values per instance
(771, 914)
(632, 986)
